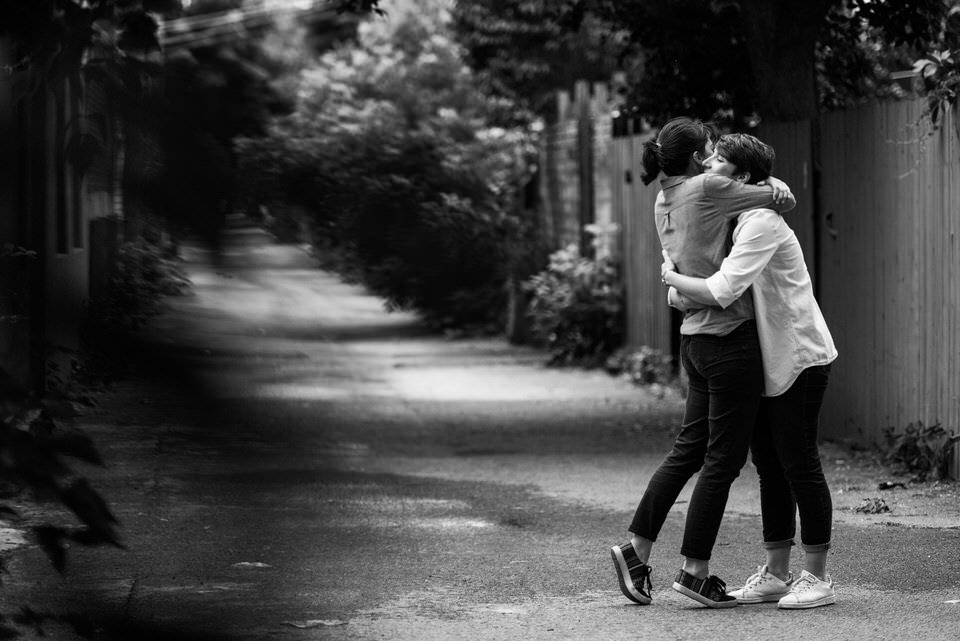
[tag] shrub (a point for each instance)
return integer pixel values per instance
(921, 450)
(577, 307)
(34, 459)
(644, 366)
(145, 272)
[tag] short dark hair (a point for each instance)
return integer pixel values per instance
(748, 153)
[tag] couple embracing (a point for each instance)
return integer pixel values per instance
(757, 353)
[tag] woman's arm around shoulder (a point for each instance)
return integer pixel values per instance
(734, 197)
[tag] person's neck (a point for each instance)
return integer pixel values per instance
(694, 168)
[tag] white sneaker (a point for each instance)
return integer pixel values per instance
(809, 592)
(763, 587)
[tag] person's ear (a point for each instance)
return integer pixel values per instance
(743, 176)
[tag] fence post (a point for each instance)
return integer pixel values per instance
(581, 98)
(601, 119)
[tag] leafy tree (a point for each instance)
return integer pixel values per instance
(65, 42)
(219, 88)
(726, 60)
(854, 62)
(782, 39)
(213, 90)
(526, 50)
(408, 180)
(940, 66)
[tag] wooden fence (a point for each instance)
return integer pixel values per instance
(878, 213)
(648, 317)
(890, 269)
(882, 247)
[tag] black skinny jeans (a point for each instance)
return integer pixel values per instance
(786, 454)
(726, 380)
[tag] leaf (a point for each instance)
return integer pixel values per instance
(77, 444)
(90, 537)
(25, 419)
(926, 67)
(872, 506)
(6, 510)
(91, 509)
(51, 541)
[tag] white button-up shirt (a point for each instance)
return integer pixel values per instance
(693, 216)
(793, 333)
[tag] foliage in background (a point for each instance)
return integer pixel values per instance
(214, 89)
(644, 366)
(525, 51)
(176, 142)
(855, 61)
(939, 69)
(921, 450)
(725, 60)
(408, 177)
(37, 466)
(36, 453)
(667, 51)
(577, 307)
(145, 273)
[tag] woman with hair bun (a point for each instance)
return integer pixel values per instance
(720, 353)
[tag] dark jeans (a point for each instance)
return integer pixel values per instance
(787, 457)
(726, 380)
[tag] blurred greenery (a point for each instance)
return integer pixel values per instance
(577, 307)
(405, 176)
(526, 51)
(922, 450)
(731, 61)
(36, 464)
(145, 273)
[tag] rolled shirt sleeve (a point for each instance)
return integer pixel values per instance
(754, 242)
(720, 287)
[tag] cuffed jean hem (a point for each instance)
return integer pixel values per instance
(819, 547)
(777, 545)
(639, 532)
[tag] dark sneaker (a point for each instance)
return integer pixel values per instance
(711, 591)
(632, 573)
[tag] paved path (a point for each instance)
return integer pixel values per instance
(291, 462)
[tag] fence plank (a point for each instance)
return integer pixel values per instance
(889, 278)
(794, 165)
(648, 317)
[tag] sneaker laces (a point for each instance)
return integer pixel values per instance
(804, 583)
(718, 583)
(645, 586)
(755, 579)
